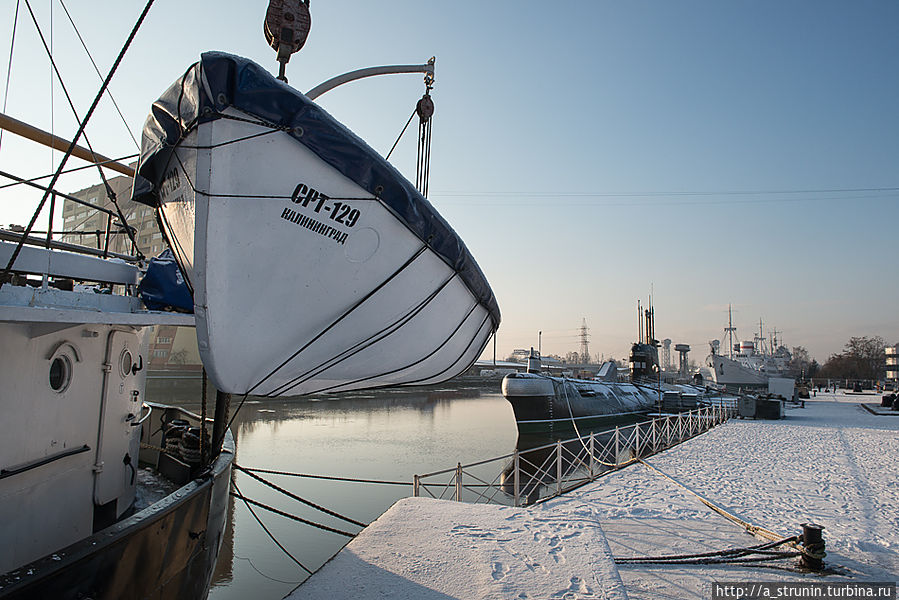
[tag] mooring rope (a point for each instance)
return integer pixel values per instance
(266, 529)
(581, 439)
(720, 556)
(287, 515)
(326, 477)
(753, 529)
(290, 494)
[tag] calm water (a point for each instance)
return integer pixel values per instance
(385, 435)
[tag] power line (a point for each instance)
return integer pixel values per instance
(533, 199)
(670, 193)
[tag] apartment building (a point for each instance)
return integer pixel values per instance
(171, 348)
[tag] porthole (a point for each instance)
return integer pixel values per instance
(60, 373)
(126, 362)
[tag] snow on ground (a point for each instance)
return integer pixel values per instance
(425, 549)
(831, 462)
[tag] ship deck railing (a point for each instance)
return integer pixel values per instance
(533, 475)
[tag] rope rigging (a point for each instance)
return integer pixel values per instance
(67, 171)
(425, 110)
(12, 46)
(99, 74)
(731, 555)
(109, 191)
(266, 529)
(802, 548)
(287, 515)
(83, 123)
(326, 477)
(289, 494)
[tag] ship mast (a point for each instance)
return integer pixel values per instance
(729, 332)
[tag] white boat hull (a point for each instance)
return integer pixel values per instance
(303, 281)
(731, 373)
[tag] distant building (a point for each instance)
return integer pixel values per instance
(87, 227)
(892, 364)
(171, 348)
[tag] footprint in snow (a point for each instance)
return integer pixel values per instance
(499, 571)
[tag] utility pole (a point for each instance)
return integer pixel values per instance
(585, 350)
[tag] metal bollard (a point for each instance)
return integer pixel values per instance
(812, 546)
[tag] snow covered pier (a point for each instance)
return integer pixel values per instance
(832, 463)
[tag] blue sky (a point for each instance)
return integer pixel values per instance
(718, 153)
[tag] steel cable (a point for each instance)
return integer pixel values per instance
(62, 163)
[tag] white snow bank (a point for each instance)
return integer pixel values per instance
(424, 549)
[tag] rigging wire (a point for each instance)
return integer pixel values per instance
(67, 171)
(392, 148)
(385, 332)
(12, 45)
(52, 95)
(99, 74)
(425, 110)
(675, 199)
(109, 191)
(513, 194)
(62, 163)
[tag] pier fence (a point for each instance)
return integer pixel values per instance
(535, 474)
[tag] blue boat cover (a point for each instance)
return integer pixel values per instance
(163, 287)
(221, 80)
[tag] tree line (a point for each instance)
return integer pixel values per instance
(862, 358)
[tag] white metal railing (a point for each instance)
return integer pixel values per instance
(528, 476)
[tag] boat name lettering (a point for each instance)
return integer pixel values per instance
(170, 183)
(338, 212)
(314, 225)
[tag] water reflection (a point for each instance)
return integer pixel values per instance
(388, 434)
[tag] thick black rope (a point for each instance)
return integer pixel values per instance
(290, 516)
(289, 494)
(74, 142)
(325, 477)
(730, 553)
(715, 561)
(266, 529)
